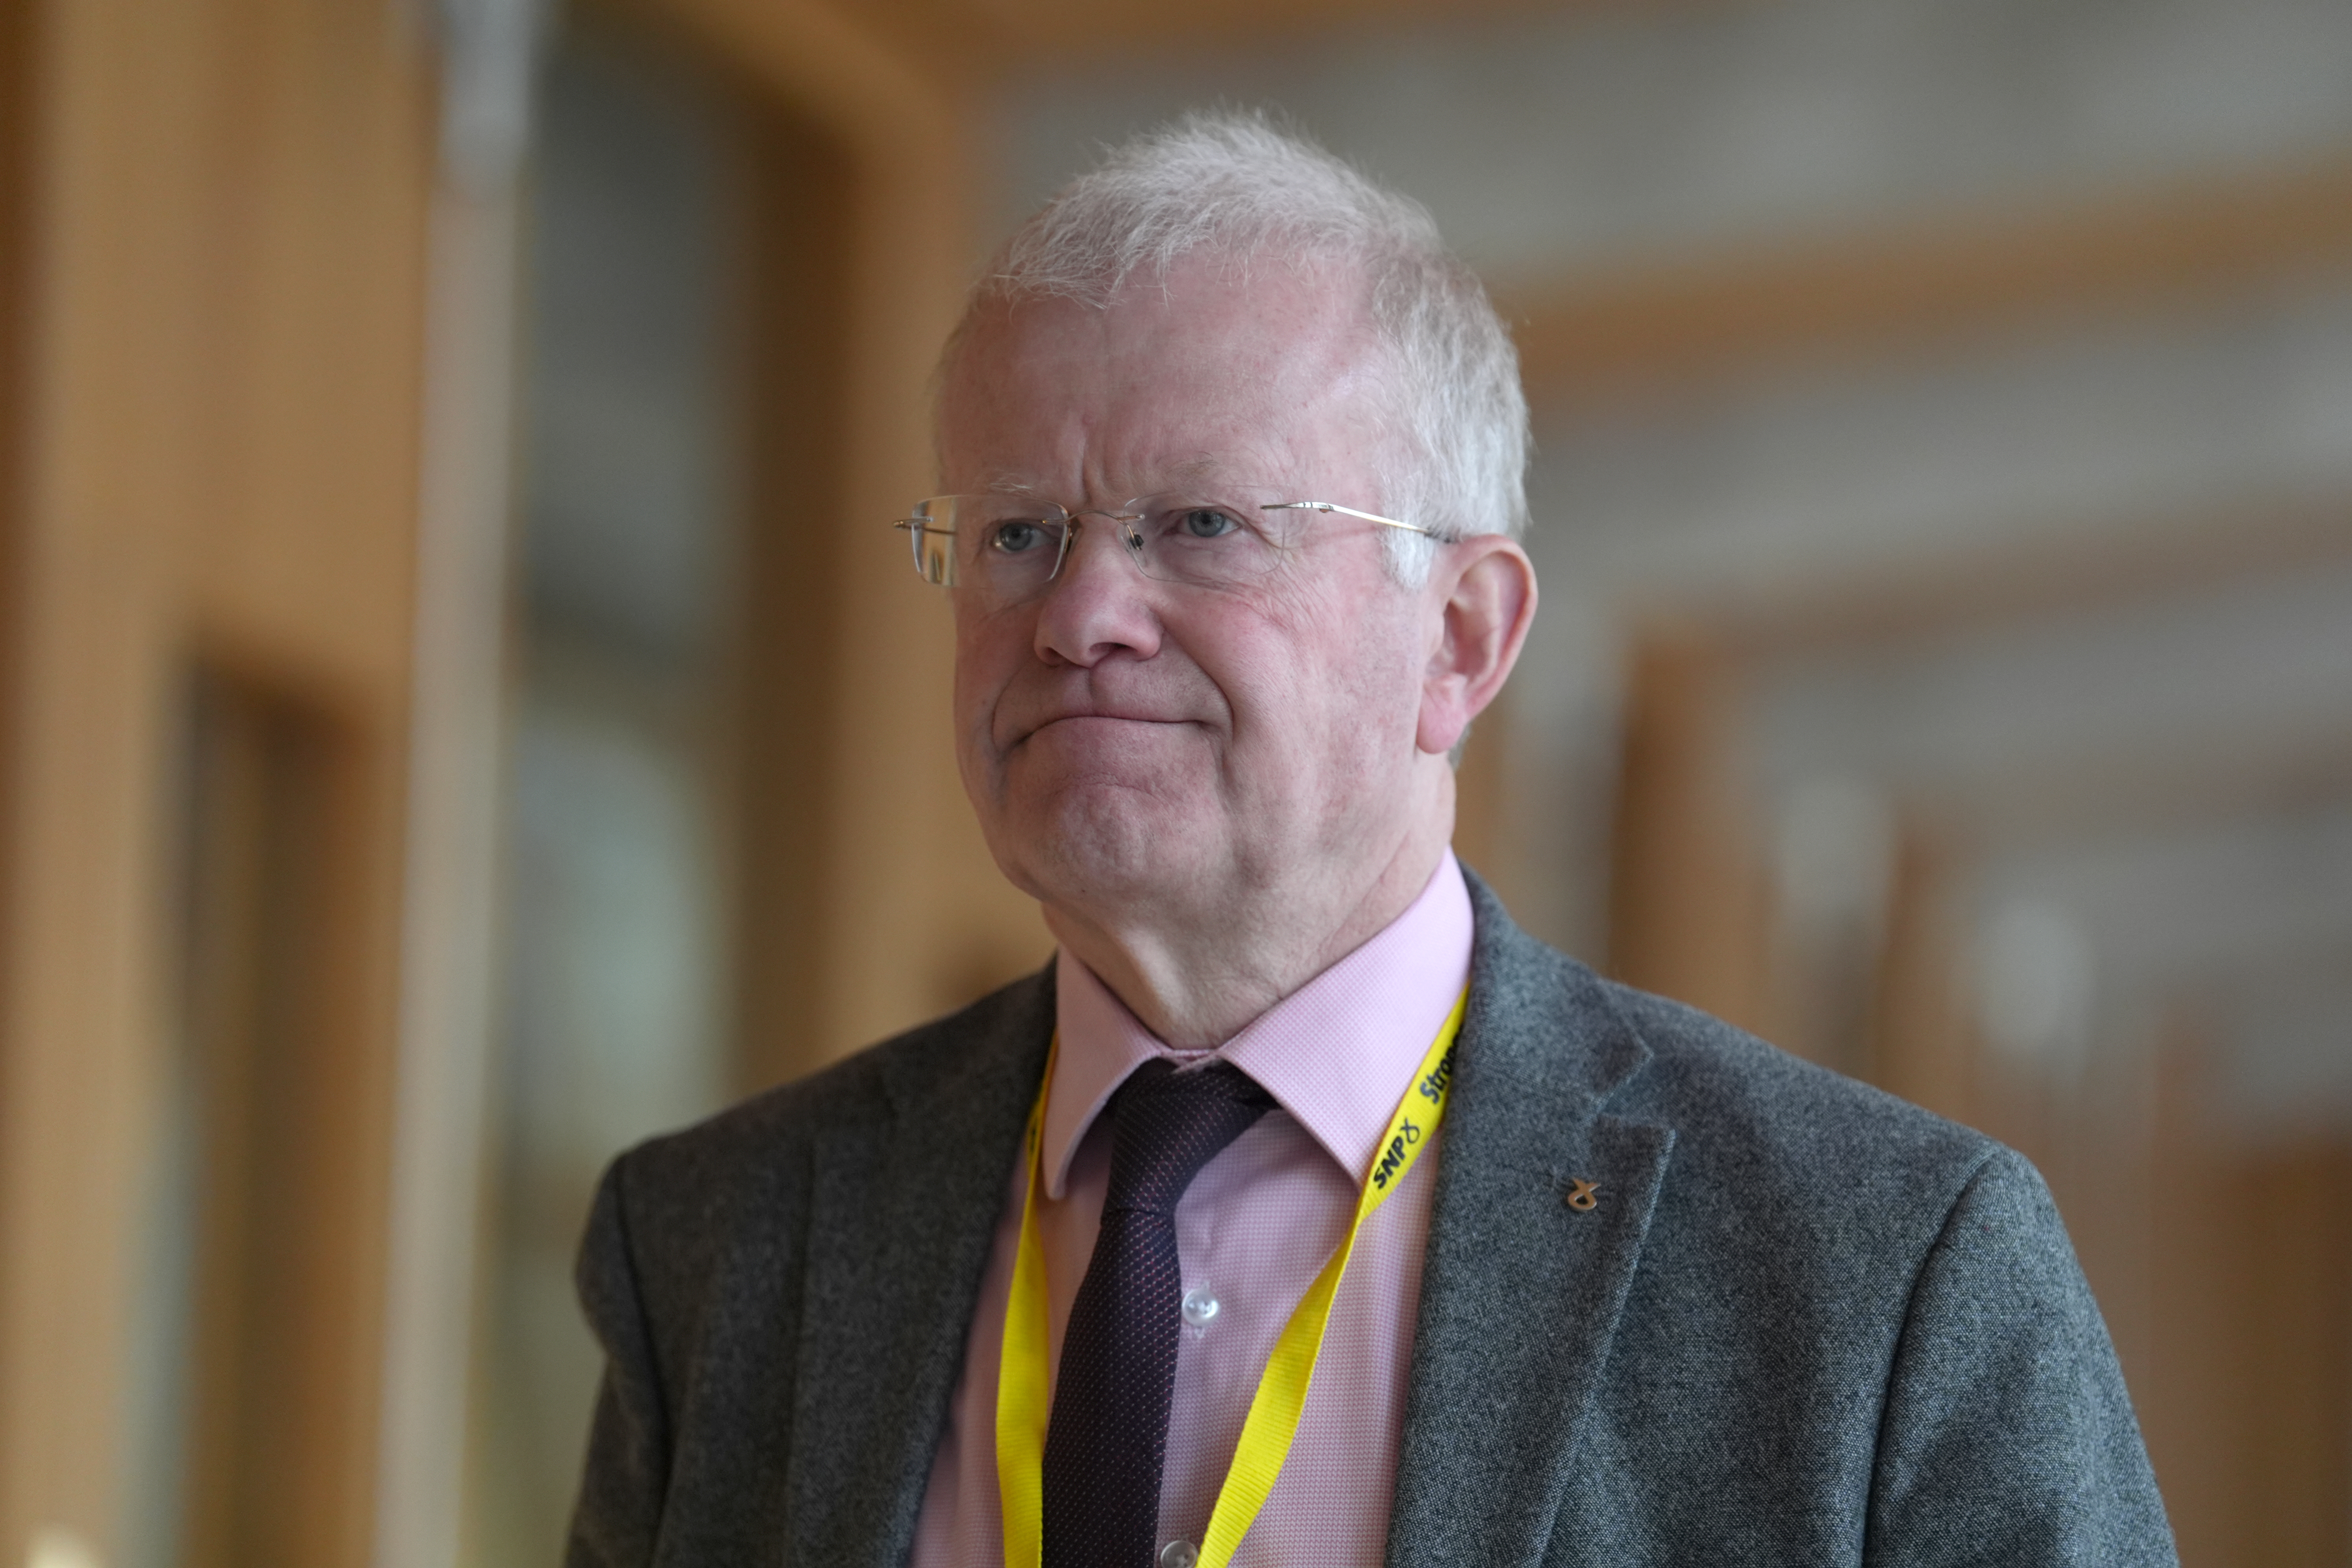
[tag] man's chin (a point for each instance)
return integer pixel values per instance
(1101, 840)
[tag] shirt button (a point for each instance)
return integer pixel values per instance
(1179, 1554)
(1200, 1307)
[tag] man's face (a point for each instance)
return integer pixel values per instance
(1125, 738)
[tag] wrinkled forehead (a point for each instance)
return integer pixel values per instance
(1258, 371)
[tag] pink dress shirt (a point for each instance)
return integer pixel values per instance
(1254, 1229)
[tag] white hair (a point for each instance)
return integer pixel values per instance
(1235, 185)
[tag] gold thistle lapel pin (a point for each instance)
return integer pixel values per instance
(1581, 1195)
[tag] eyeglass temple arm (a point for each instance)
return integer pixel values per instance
(1352, 511)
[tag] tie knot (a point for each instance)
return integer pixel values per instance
(1167, 1125)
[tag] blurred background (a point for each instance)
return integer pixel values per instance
(462, 709)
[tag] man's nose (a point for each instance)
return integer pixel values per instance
(1100, 602)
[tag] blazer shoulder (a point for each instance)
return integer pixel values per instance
(1728, 1096)
(1729, 1079)
(1761, 1130)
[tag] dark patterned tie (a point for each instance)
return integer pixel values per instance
(1108, 1441)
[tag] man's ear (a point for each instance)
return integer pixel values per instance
(1489, 601)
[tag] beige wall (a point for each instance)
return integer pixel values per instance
(2221, 1256)
(913, 916)
(225, 223)
(227, 208)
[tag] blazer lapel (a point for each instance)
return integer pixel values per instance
(902, 1218)
(1521, 1290)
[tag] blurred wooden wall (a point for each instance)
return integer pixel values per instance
(214, 239)
(2222, 1263)
(222, 206)
(866, 902)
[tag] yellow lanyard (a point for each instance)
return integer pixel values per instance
(1023, 1385)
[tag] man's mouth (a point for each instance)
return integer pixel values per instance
(1079, 723)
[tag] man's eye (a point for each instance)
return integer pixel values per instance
(1016, 538)
(1206, 522)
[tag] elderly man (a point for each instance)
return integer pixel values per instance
(1303, 1211)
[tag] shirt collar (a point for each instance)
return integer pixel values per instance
(1335, 1054)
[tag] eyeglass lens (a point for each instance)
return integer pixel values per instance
(1005, 549)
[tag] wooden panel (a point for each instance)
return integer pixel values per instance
(1656, 328)
(2188, 1396)
(221, 399)
(1013, 33)
(794, 545)
(912, 917)
(19, 50)
(313, 260)
(2070, 569)
(968, 40)
(1687, 911)
(267, 945)
(2248, 1411)
(2295, 1222)
(1921, 1046)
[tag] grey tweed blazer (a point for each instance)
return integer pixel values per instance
(1805, 1323)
